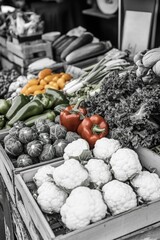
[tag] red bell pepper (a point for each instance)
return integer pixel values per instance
(93, 128)
(72, 116)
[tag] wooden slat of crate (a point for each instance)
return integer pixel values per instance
(13, 222)
(108, 229)
(3, 41)
(15, 59)
(145, 156)
(27, 51)
(15, 48)
(6, 64)
(19, 228)
(3, 51)
(7, 177)
(26, 205)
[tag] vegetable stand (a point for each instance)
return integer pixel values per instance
(68, 199)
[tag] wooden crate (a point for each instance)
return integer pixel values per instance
(149, 159)
(19, 228)
(14, 225)
(3, 41)
(8, 170)
(113, 227)
(30, 51)
(23, 54)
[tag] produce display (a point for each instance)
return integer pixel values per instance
(93, 75)
(85, 192)
(73, 49)
(130, 106)
(46, 79)
(44, 141)
(29, 109)
(94, 123)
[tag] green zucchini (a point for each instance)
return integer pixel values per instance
(85, 52)
(64, 45)
(84, 39)
(58, 41)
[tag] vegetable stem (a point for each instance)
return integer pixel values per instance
(97, 129)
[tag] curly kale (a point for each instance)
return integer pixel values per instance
(129, 105)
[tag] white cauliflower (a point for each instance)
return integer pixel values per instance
(50, 197)
(44, 174)
(105, 147)
(75, 148)
(147, 185)
(70, 174)
(84, 205)
(125, 164)
(119, 196)
(99, 172)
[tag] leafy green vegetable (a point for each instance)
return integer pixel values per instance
(57, 131)
(59, 146)
(26, 135)
(34, 148)
(48, 153)
(129, 105)
(13, 146)
(72, 136)
(24, 160)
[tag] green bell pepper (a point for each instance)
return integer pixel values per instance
(46, 99)
(43, 98)
(58, 96)
(17, 104)
(48, 114)
(4, 106)
(32, 108)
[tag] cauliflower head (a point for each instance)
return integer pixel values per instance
(147, 185)
(50, 197)
(99, 172)
(70, 175)
(105, 147)
(125, 164)
(75, 148)
(119, 196)
(84, 205)
(44, 174)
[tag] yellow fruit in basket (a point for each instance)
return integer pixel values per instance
(33, 81)
(33, 88)
(43, 82)
(55, 78)
(50, 86)
(54, 84)
(61, 83)
(66, 76)
(48, 78)
(42, 74)
(24, 89)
